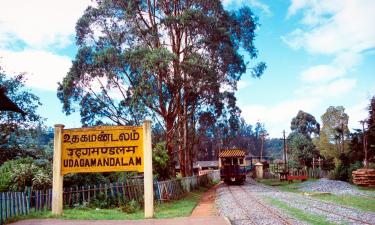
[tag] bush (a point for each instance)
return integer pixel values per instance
(103, 202)
(131, 207)
(340, 173)
(353, 166)
(24, 172)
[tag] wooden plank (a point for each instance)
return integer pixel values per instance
(1, 208)
(28, 200)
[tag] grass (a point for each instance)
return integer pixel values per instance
(177, 208)
(282, 185)
(372, 189)
(362, 203)
(298, 213)
(357, 202)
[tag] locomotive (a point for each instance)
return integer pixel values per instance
(233, 166)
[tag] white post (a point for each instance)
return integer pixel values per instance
(57, 183)
(148, 180)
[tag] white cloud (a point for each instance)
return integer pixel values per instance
(252, 3)
(44, 69)
(357, 113)
(334, 89)
(39, 23)
(335, 26)
(276, 122)
(321, 73)
(241, 84)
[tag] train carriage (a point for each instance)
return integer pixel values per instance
(232, 165)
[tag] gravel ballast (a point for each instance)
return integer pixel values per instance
(330, 212)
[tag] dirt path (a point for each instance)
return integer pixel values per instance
(206, 206)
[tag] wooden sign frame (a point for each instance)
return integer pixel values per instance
(58, 174)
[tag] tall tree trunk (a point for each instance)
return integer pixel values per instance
(185, 137)
(181, 144)
(169, 143)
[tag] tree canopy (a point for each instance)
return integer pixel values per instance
(334, 131)
(17, 131)
(168, 59)
(305, 123)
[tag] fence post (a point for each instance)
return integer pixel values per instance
(1, 208)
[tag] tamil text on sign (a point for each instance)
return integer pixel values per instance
(102, 149)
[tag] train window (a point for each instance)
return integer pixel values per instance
(235, 161)
(241, 161)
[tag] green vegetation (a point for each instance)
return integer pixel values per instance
(345, 200)
(176, 208)
(298, 213)
(362, 203)
(282, 185)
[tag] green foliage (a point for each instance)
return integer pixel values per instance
(17, 132)
(332, 136)
(81, 179)
(302, 150)
(102, 201)
(131, 207)
(160, 161)
(24, 172)
(305, 123)
(352, 167)
(274, 148)
(172, 75)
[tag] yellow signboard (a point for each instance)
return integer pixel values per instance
(102, 149)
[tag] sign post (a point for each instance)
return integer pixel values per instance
(102, 149)
(57, 182)
(148, 181)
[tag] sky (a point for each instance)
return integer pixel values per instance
(319, 53)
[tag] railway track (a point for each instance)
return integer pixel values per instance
(277, 218)
(324, 209)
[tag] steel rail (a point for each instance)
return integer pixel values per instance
(324, 202)
(247, 215)
(272, 211)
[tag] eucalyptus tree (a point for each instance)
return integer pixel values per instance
(333, 133)
(158, 57)
(18, 131)
(305, 123)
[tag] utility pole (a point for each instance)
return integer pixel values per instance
(262, 137)
(285, 162)
(364, 142)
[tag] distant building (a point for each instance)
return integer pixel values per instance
(202, 165)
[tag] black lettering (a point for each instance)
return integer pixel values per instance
(75, 139)
(87, 163)
(112, 138)
(106, 162)
(71, 162)
(112, 151)
(84, 138)
(131, 161)
(76, 163)
(138, 161)
(100, 163)
(82, 163)
(66, 138)
(66, 163)
(111, 161)
(134, 135)
(93, 162)
(117, 162)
